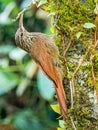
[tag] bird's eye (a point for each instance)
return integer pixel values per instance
(21, 34)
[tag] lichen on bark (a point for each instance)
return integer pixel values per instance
(73, 21)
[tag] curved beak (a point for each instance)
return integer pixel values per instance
(21, 21)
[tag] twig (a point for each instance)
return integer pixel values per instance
(73, 124)
(88, 50)
(12, 68)
(91, 59)
(62, 35)
(73, 88)
(96, 43)
(82, 61)
(26, 8)
(93, 74)
(71, 92)
(92, 69)
(68, 46)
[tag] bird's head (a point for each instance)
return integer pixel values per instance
(20, 33)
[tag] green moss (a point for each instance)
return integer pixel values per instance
(69, 19)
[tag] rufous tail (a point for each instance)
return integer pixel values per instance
(61, 98)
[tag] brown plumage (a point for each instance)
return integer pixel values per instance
(43, 50)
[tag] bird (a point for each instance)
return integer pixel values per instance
(45, 53)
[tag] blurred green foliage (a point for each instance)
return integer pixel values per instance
(25, 92)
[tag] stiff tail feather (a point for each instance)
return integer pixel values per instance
(53, 73)
(61, 99)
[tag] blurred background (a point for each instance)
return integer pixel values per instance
(25, 92)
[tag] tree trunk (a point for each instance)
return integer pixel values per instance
(77, 37)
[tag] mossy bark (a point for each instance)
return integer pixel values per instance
(74, 21)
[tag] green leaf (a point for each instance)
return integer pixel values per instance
(42, 2)
(56, 108)
(52, 29)
(22, 86)
(70, 74)
(6, 49)
(78, 35)
(96, 8)
(17, 54)
(62, 124)
(30, 69)
(8, 81)
(45, 86)
(4, 62)
(59, 128)
(26, 121)
(89, 25)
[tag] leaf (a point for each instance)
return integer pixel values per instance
(27, 120)
(4, 62)
(30, 69)
(96, 8)
(78, 35)
(45, 86)
(56, 108)
(52, 29)
(4, 16)
(89, 25)
(62, 124)
(70, 74)
(8, 81)
(6, 49)
(42, 2)
(59, 128)
(17, 54)
(22, 86)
